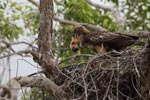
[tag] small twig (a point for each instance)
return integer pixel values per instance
(16, 53)
(89, 26)
(135, 66)
(107, 90)
(85, 87)
(118, 65)
(34, 3)
(97, 98)
(137, 91)
(9, 44)
(36, 73)
(75, 56)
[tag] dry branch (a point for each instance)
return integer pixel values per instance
(89, 26)
(16, 53)
(34, 3)
(106, 77)
(56, 92)
(11, 90)
(46, 62)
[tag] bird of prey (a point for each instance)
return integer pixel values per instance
(100, 41)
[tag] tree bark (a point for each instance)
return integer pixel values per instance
(44, 55)
(45, 25)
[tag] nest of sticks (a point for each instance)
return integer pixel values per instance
(105, 77)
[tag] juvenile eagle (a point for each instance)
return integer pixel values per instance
(100, 41)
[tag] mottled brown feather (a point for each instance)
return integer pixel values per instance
(101, 41)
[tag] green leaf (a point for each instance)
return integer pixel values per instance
(13, 4)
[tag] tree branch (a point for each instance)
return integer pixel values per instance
(16, 53)
(34, 3)
(12, 88)
(10, 91)
(89, 26)
(56, 92)
(46, 62)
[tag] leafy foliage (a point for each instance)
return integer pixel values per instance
(16, 20)
(138, 14)
(136, 11)
(8, 28)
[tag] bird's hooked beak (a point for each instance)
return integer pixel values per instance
(75, 49)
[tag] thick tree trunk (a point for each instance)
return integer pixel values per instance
(45, 58)
(45, 26)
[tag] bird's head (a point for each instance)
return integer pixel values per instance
(77, 37)
(74, 44)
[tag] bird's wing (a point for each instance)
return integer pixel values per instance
(101, 37)
(114, 40)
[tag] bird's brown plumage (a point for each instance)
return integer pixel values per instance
(100, 41)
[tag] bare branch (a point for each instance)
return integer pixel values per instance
(9, 44)
(12, 88)
(16, 53)
(115, 12)
(89, 26)
(46, 62)
(5, 92)
(10, 91)
(56, 92)
(34, 3)
(75, 56)
(2, 74)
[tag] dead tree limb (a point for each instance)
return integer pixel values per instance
(10, 91)
(55, 92)
(89, 26)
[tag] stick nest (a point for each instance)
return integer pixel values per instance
(105, 77)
